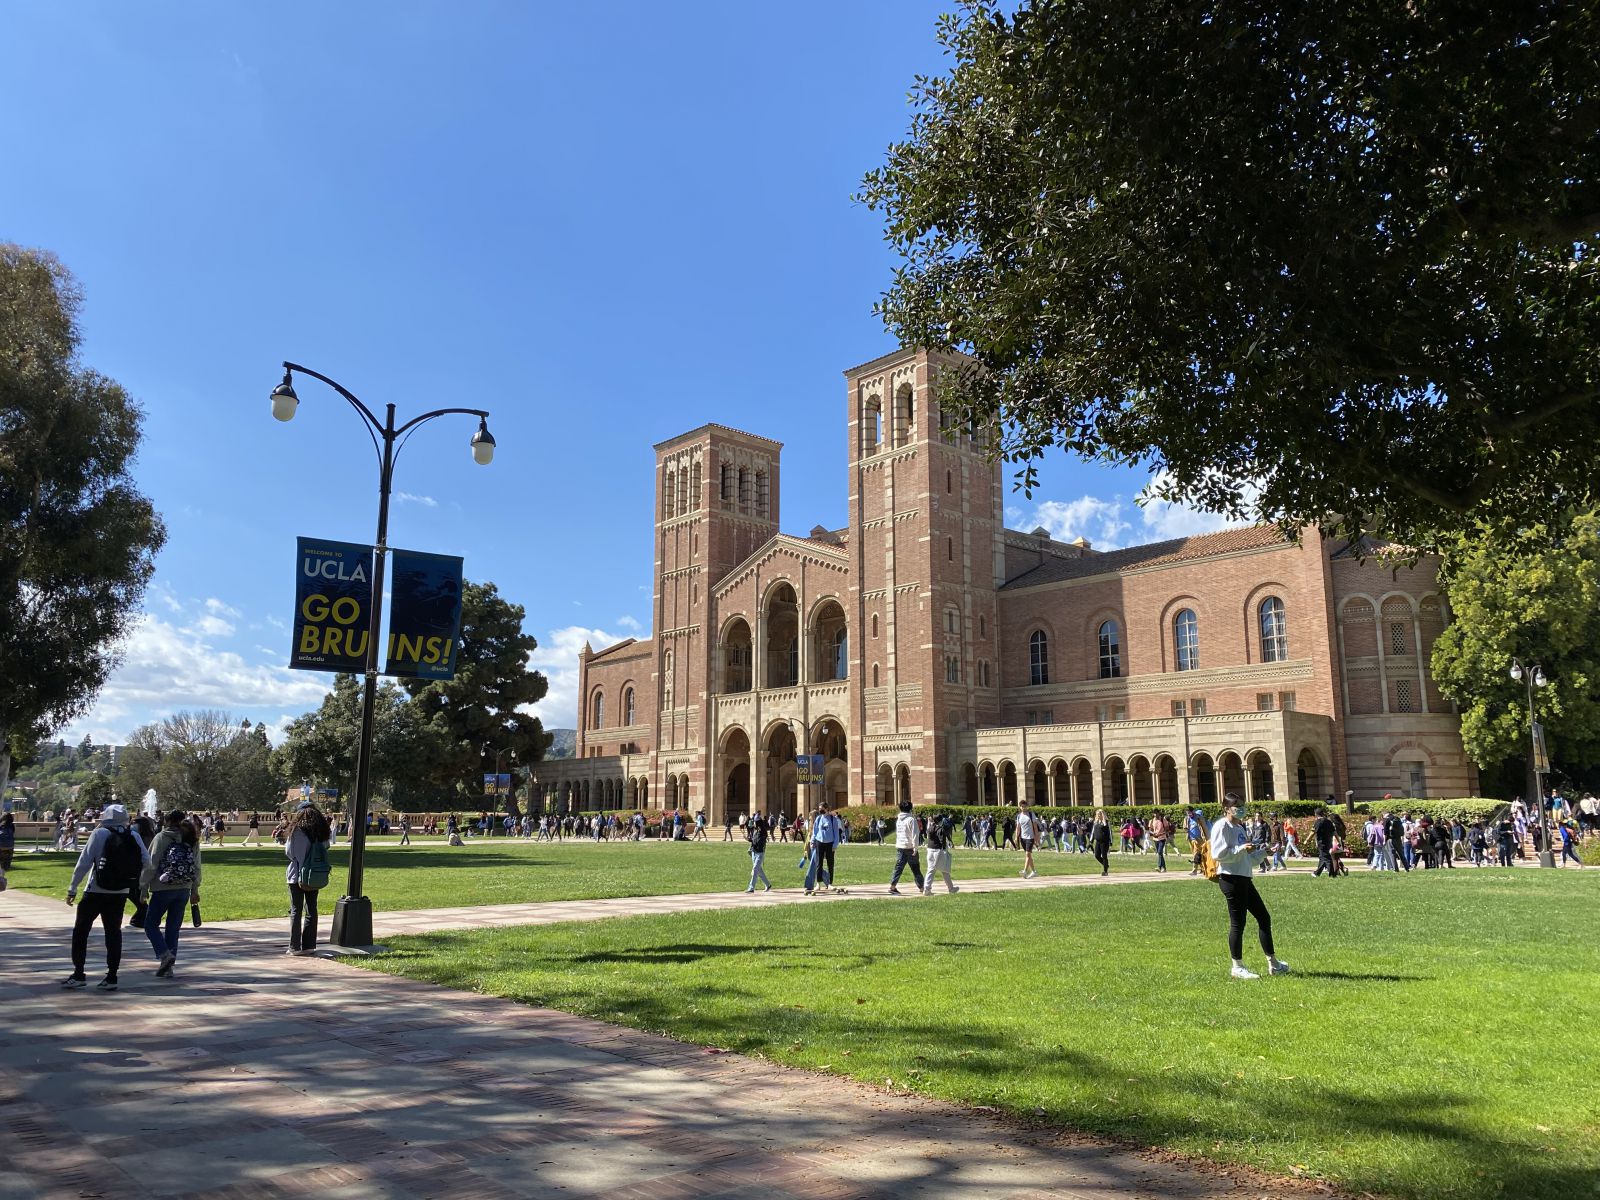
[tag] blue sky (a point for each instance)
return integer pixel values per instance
(606, 225)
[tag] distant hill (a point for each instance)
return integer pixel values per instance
(564, 743)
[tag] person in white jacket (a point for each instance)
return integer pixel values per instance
(1236, 857)
(905, 847)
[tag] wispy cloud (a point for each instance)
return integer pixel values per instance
(630, 623)
(1110, 524)
(557, 658)
(411, 498)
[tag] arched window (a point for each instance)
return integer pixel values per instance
(761, 494)
(1186, 640)
(627, 707)
(668, 491)
(666, 681)
(1274, 631)
(874, 674)
(683, 490)
(874, 624)
(1110, 650)
(841, 654)
(744, 488)
(597, 711)
(694, 487)
(1038, 658)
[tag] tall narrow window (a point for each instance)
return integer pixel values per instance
(761, 493)
(627, 707)
(841, 655)
(947, 488)
(694, 488)
(874, 674)
(874, 624)
(668, 491)
(871, 426)
(1399, 643)
(597, 715)
(1274, 631)
(725, 484)
(1038, 658)
(950, 549)
(1110, 651)
(683, 491)
(1186, 640)
(744, 487)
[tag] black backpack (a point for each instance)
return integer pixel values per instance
(120, 863)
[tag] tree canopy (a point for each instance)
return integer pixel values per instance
(77, 539)
(1334, 256)
(1539, 602)
(200, 760)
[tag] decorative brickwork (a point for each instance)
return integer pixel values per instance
(926, 651)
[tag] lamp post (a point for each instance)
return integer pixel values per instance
(352, 916)
(1534, 674)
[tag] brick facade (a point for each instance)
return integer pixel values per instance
(927, 651)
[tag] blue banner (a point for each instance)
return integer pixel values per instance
(424, 616)
(332, 606)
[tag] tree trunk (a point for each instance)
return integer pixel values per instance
(5, 763)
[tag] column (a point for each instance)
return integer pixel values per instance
(1050, 785)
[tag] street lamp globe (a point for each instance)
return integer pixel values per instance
(284, 401)
(1538, 677)
(483, 444)
(1516, 670)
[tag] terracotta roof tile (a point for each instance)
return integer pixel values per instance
(1156, 554)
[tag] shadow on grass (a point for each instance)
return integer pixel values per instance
(682, 952)
(1078, 1088)
(1365, 976)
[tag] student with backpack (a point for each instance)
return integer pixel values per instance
(172, 877)
(309, 870)
(112, 861)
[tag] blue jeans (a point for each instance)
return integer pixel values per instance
(165, 906)
(1161, 854)
(756, 870)
(906, 858)
(817, 868)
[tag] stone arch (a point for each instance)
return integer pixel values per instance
(733, 771)
(884, 791)
(1143, 780)
(1165, 771)
(1115, 774)
(969, 783)
(871, 424)
(1083, 783)
(1261, 781)
(989, 791)
(905, 413)
(830, 641)
(1060, 782)
(1231, 768)
(1038, 791)
(781, 654)
(1008, 783)
(902, 783)
(737, 655)
(1311, 778)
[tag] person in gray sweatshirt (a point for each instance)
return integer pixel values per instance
(171, 880)
(112, 861)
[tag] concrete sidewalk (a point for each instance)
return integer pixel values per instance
(254, 1075)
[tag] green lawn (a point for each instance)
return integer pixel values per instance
(1437, 1039)
(428, 874)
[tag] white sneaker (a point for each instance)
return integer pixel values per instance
(1277, 968)
(1244, 973)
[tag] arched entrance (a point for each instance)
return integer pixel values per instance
(736, 657)
(1309, 782)
(1009, 784)
(1166, 771)
(733, 767)
(1231, 769)
(782, 664)
(1039, 787)
(1143, 782)
(991, 787)
(1261, 781)
(828, 739)
(830, 643)
(1061, 783)
(1083, 783)
(1116, 782)
(969, 784)
(783, 777)
(902, 783)
(885, 790)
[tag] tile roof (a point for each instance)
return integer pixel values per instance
(1156, 554)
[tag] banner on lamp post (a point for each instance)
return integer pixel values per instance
(333, 606)
(424, 615)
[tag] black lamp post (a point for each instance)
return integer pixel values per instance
(352, 916)
(1534, 674)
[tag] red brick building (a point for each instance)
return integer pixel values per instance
(927, 651)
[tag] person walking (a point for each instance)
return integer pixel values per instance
(905, 849)
(941, 832)
(1194, 826)
(1236, 858)
(1100, 840)
(756, 831)
(112, 861)
(405, 830)
(309, 869)
(1160, 830)
(8, 844)
(1322, 834)
(824, 835)
(171, 878)
(1565, 831)
(1027, 836)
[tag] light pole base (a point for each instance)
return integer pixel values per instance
(352, 922)
(1547, 858)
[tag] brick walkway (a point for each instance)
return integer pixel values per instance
(261, 1076)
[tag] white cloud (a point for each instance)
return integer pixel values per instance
(1109, 524)
(167, 667)
(630, 623)
(409, 498)
(1100, 521)
(557, 658)
(210, 626)
(218, 608)
(1164, 519)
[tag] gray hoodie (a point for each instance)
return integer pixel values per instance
(92, 852)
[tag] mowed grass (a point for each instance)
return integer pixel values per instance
(1438, 1038)
(248, 882)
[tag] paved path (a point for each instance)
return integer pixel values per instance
(484, 916)
(255, 1076)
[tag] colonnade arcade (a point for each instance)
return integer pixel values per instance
(778, 654)
(768, 780)
(1136, 779)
